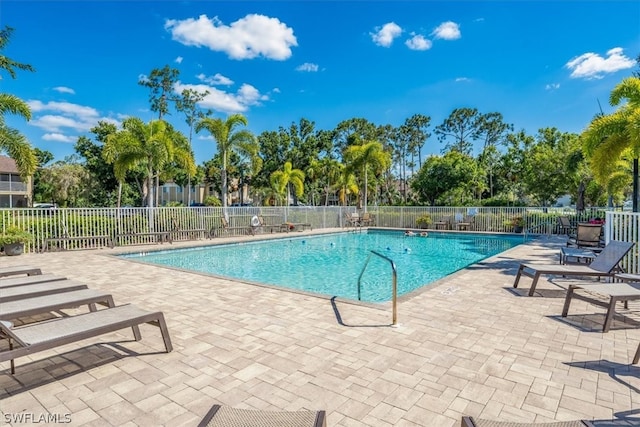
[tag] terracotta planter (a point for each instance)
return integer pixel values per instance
(13, 249)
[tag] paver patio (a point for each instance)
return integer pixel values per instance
(469, 344)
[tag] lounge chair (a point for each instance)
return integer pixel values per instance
(476, 422)
(33, 306)
(227, 228)
(636, 358)
(19, 269)
(443, 223)
(263, 225)
(352, 219)
(367, 219)
(224, 416)
(466, 223)
(587, 236)
(615, 291)
(290, 226)
(29, 280)
(38, 290)
(603, 265)
(41, 336)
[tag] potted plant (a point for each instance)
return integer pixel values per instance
(424, 221)
(517, 222)
(13, 240)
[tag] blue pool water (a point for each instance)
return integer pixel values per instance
(330, 264)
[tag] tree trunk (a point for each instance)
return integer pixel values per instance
(149, 188)
(635, 185)
(189, 190)
(223, 184)
(156, 188)
(119, 194)
(365, 188)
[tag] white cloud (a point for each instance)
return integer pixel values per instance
(447, 31)
(276, 90)
(58, 137)
(593, 66)
(384, 36)
(63, 89)
(247, 38)
(64, 115)
(217, 79)
(307, 66)
(62, 107)
(552, 86)
(463, 79)
(226, 102)
(54, 123)
(418, 42)
(179, 59)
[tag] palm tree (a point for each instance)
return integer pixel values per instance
(368, 156)
(151, 146)
(222, 131)
(11, 140)
(327, 172)
(251, 160)
(282, 179)
(346, 184)
(610, 137)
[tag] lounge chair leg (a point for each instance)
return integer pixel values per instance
(13, 362)
(165, 333)
(567, 300)
(534, 283)
(136, 332)
(610, 311)
(515, 284)
(636, 358)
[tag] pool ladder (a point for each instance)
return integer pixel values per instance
(394, 285)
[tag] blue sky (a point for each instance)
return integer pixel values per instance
(538, 63)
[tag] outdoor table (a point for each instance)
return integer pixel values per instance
(582, 256)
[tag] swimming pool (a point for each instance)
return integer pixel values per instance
(330, 264)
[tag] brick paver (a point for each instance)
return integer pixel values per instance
(469, 344)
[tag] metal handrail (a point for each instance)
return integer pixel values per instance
(394, 285)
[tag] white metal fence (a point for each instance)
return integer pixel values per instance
(625, 226)
(79, 222)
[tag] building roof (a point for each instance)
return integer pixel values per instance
(8, 165)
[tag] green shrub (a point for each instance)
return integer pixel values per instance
(14, 235)
(517, 221)
(212, 201)
(423, 221)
